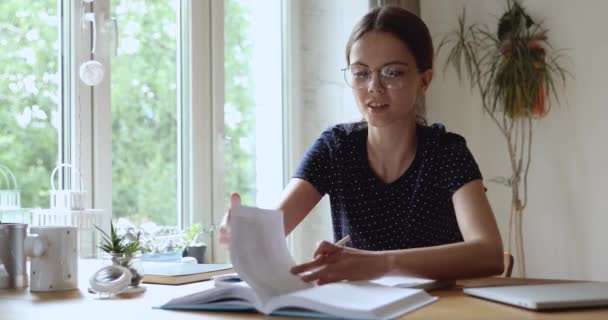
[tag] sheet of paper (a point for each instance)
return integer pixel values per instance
(402, 281)
(259, 252)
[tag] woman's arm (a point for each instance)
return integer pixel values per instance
(479, 255)
(298, 199)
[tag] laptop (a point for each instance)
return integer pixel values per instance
(547, 296)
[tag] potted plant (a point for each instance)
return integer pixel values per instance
(194, 242)
(124, 251)
(515, 70)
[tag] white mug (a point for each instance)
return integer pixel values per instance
(54, 253)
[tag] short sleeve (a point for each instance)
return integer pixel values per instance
(317, 166)
(457, 164)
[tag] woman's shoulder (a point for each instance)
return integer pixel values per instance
(345, 132)
(438, 137)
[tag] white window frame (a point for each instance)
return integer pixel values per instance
(75, 137)
(207, 116)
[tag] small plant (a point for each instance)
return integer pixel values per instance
(114, 244)
(124, 250)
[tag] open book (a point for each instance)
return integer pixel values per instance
(260, 256)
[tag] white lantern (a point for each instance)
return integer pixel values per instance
(10, 197)
(66, 199)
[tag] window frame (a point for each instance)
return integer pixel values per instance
(200, 129)
(75, 140)
(206, 74)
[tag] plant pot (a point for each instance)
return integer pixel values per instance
(131, 262)
(197, 252)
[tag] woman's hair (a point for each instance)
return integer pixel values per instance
(404, 25)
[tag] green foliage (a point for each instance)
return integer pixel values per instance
(144, 125)
(514, 68)
(112, 243)
(144, 113)
(240, 155)
(29, 95)
(192, 232)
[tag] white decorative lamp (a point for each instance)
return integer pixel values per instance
(67, 209)
(65, 199)
(10, 198)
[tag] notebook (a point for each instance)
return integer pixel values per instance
(547, 296)
(260, 257)
(181, 273)
(411, 282)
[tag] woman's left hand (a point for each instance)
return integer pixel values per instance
(334, 263)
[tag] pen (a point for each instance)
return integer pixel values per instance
(343, 241)
(339, 243)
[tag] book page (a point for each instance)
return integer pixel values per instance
(355, 300)
(225, 295)
(259, 252)
(402, 281)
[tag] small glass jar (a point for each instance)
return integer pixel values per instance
(131, 262)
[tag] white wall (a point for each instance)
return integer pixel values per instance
(319, 95)
(566, 222)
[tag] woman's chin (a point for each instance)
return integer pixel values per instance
(376, 122)
(385, 121)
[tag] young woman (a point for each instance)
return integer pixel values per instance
(410, 196)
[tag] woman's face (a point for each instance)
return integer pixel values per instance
(385, 79)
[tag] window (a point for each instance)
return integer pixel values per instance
(145, 109)
(253, 104)
(189, 110)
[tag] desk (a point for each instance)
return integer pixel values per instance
(79, 304)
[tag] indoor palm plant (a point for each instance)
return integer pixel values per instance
(124, 251)
(515, 70)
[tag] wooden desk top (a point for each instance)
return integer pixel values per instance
(79, 304)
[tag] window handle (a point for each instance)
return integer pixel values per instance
(90, 17)
(116, 35)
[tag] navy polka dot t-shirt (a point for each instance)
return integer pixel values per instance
(416, 210)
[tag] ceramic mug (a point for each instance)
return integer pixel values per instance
(54, 258)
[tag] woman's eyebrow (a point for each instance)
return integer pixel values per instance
(396, 62)
(358, 63)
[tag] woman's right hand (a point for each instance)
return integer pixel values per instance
(235, 199)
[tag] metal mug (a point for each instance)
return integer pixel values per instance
(13, 270)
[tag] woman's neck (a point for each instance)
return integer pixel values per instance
(391, 149)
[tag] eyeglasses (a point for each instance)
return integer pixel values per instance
(392, 76)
